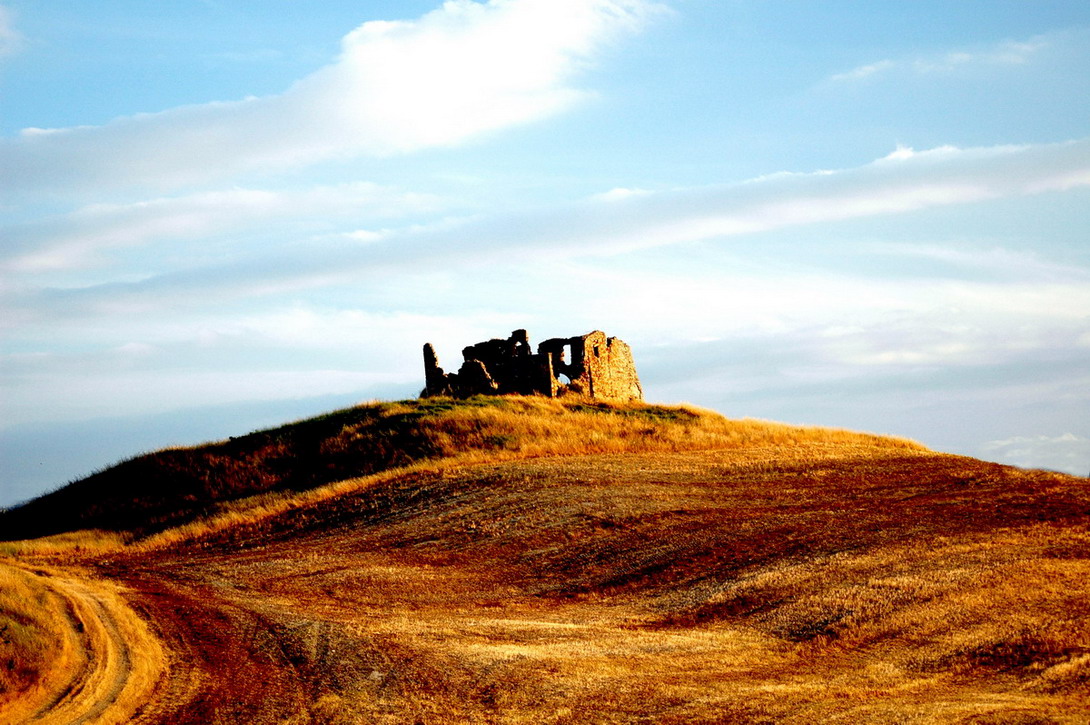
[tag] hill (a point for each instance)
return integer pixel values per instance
(528, 560)
(167, 488)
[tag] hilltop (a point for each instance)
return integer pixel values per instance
(533, 560)
(164, 489)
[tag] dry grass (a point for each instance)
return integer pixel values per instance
(533, 426)
(186, 492)
(535, 561)
(746, 585)
(73, 543)
(71, 648)
(33, 649)
(456, 434)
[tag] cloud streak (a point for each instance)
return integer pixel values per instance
(903, 182)
(1067, 452)
(11, 41)
(1005, 54)
(397, 87)
(84, 237)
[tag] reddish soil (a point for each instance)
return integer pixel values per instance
(688, 587)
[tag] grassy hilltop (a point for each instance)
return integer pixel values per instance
(528, 560)
(160, 490)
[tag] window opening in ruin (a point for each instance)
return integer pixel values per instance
(566, 355)
(564, 379)
(597, 352)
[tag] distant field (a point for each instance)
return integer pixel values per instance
(527, 561)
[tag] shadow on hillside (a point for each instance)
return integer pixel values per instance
(156, 491)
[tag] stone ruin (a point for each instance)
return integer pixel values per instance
(591, 365)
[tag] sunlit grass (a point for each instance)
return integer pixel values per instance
(940, 636)
(34, 652)
(523, 560)
(187, 492)
(77, 543)
(71, 646)
(691, 586)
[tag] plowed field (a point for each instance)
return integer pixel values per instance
(758, 585)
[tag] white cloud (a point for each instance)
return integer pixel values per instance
(11, 41)
(855, 321)
(993, 261)
(146, 391)
(80, 238)
(1067, 452)
(619, 193)
(997, 308)
(1004, 54)
(459, 71)
(141, 364)
(863, 71)
(901, 183)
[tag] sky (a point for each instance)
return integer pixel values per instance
(221, 215)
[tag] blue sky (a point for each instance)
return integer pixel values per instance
(220, 215)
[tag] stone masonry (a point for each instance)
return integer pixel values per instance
(591, 365)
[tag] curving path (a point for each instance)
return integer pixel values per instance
(209, 657)
(113, 664)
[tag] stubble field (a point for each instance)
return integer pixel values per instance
(685, 568)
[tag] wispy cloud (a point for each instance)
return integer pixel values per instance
(864, 71)
(902, 182)
(1067, 452)
(995, 261)
(182, 359)
(397, 87)
(11, 41)
(81, 238)
(1005, 54)
(818, 328)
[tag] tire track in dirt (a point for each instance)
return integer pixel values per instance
(118, 663)
(165, 652)
(226, 659)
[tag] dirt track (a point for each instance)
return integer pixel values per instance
(226, 663)
(111, 664)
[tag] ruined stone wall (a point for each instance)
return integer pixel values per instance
(609, 368)
(592, 365)
(595, 365)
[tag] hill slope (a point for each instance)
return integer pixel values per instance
(730, 571)
(167, 488)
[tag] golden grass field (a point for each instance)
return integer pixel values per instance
(524, 560)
